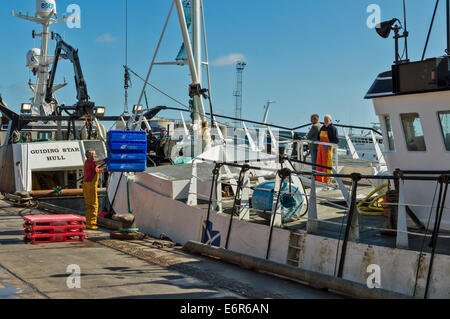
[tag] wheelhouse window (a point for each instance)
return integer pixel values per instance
(44, 136)
(412, 126)
(390, 133)
(444, 118)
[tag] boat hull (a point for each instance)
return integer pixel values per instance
(158, 214)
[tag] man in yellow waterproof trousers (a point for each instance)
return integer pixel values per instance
(90, 186)
(328, 134)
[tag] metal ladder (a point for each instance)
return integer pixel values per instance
(295, 247)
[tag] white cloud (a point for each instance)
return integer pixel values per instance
(106, 38)
(229, 59)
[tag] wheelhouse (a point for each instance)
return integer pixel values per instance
(413, 106)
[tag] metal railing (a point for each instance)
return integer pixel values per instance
(349, 229)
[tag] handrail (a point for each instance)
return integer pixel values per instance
(344, 126)
(399, 176)
(358, 128)
(352, 212)
(277, 126)
(315, 142)
(106, 118)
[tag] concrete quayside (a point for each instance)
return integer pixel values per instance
(143, 269)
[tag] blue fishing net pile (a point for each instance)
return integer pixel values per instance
(291, 202)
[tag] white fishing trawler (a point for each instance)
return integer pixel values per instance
(252, 191)
(243, 197)
(43, 147)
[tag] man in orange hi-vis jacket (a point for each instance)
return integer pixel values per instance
(328, 134)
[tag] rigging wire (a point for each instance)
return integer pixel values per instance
(165, 94)
(430, 29)
(126, 31)
(146, 100)
(154, 87)
(127, 79)
(156, 52)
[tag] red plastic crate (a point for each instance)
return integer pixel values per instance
(51, 232)
(54, 220)
(53, 228)
(54, 238)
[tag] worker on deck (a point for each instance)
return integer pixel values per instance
(328, 134)
(206, 137)
(313, 135)
(90, 186)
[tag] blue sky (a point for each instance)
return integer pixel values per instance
(309, 56)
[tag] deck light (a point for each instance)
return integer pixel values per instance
(384, 28)
(26, 108)
(137, 108)
(100, 111)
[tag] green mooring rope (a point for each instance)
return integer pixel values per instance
(58, 190)
(128, 229)
(128, 196)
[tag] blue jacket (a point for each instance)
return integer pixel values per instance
(332, 133)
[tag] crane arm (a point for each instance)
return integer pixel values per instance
(84, 105)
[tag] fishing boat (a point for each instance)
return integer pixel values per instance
(250, 189)
(237, 194)
(43, 147)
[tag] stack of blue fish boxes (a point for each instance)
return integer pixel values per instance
(127, 151)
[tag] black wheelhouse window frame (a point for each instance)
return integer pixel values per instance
(444, 116)
(413, 132)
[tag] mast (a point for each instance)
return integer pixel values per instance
(194, 61)
(196, 38)
(40, 88)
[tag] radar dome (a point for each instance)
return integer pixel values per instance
(44, 7)
(33, 59)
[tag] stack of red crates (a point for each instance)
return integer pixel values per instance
(53, 228)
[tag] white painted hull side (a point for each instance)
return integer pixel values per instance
(47, 157)
(434, 158)
(157, 214)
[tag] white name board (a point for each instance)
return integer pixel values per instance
(54, 155)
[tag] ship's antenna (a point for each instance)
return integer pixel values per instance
(406, 30)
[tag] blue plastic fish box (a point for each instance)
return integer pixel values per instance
(127, 147)
(127, 136)
(127, 167)
(127, 158)
(127, 151)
